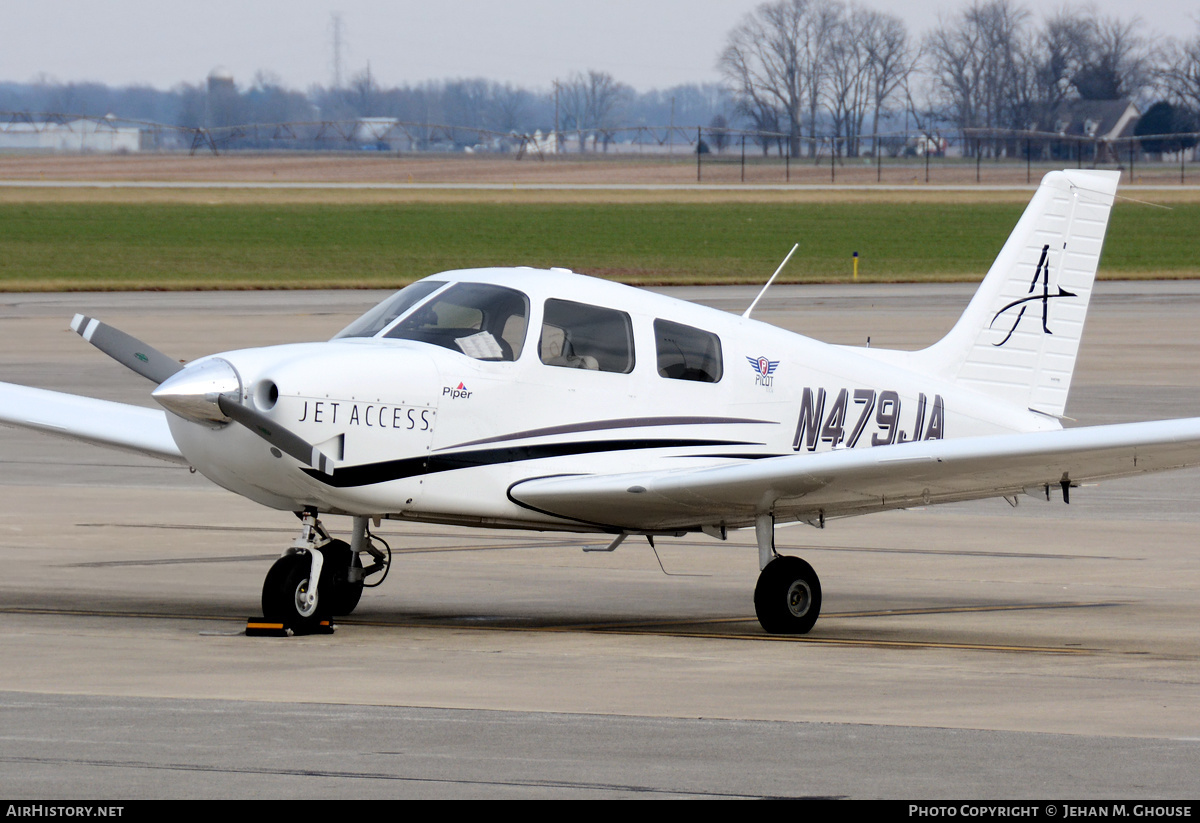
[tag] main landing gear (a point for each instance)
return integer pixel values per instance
(289, 595)
(787, 598)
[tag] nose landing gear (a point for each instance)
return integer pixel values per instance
(291, 597)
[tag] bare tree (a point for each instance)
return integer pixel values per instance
(957, 67)
(1050, 70)
(1178, 72)
(507, 105)
(1116, 63)
(847, 92)
(777, 60)
(868, 62)
(192, 100)
(761, 64)
(976, 64)
(808, 63)
(817, 40)
(765, 119)
(1062, 52)
(464, 103)
(267, 101)
(361, 97)
(717, 133)
(591, 104)
(755, 103)
(893, 61)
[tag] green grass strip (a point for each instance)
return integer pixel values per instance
(178, 246)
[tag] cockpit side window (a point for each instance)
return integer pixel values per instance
(686, 353)
(378, 318)
(479, 320)
(579, 336)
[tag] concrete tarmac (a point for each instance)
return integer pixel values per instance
(974, 650)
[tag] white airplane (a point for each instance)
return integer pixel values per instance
(546, 400)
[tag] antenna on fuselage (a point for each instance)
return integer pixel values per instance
(772, 280)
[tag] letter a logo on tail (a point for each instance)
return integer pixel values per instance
(1042, 274)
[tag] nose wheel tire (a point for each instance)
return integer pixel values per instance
(787, 598)
(284, 596)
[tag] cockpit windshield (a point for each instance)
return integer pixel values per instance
(380, 317)
(480, 320)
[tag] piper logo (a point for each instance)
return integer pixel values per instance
(456, 393)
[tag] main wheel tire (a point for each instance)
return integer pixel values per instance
(343, 595)
(284, 594)
(787, 598)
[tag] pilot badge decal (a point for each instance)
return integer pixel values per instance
(764, 371)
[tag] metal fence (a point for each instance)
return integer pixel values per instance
(717, 155)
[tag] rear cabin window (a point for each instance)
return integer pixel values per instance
(579, 336)
(685, 353)
(479, 320)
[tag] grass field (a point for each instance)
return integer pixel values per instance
(63, 245)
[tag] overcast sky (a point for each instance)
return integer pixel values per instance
(645, 43)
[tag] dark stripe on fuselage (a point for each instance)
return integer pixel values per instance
(370, 473)
(621, 423)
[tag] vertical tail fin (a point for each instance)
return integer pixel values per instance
(1020, 334)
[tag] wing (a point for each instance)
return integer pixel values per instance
(850, 482)
(117, 425)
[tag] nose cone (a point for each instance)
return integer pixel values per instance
(192, 392)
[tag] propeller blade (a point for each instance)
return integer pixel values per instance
(130, 352)
(286, 441)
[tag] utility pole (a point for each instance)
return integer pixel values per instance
(335, 24)
(671, 131)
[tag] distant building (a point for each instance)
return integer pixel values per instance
(546, 144)
(1098, 121)
(220, 81)
(377, 133)
(79, 136)
(221, 103)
